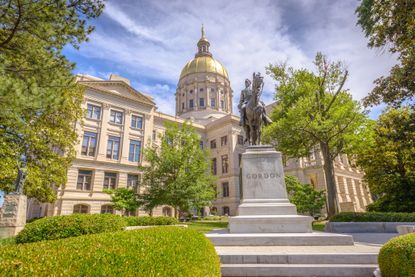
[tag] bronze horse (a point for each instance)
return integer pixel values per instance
(254, 112)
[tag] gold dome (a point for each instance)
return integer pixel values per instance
(204, 64)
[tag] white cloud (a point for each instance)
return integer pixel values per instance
(154, 40)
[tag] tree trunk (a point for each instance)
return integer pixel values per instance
(332, 208)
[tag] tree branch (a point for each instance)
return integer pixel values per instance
(337, 92)
(16, 25)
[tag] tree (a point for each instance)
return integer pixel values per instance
(315, 109)
(123, 199)
(389, 161)
(178, 172)
(390, 23)
(304, 196)
(39, 97)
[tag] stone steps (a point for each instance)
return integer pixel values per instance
(299, 270)
(310, 258)
(278, 239)
(348, 260)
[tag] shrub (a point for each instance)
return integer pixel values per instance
(148, 220)
(373, 217)
(215, 218)
(59, 227)
(397, 257)
(162, 251)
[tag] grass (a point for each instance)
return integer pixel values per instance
(7, 241)
(205, 227)
(319, 225)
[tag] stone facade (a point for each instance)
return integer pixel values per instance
(120, 121)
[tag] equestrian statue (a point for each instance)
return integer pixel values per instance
(252, 110)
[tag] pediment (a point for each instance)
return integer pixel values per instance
(119, 88)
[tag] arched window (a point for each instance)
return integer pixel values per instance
(225, 210)
(107, 209)
(214, 211)
(166, 211)
(80, 209)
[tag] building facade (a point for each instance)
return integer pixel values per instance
(120, 121)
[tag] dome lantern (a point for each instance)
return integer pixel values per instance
(203, 46)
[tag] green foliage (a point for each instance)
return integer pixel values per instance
(389, 162)
(38, 95)
(178, 172)
(150, 220)
(304, 196)
(373, 217)
(204, 227)
(314, 110)
(391, 24)
(397, 257)
(123, 199)
(215, 218)
(161, 251)
(59, 227)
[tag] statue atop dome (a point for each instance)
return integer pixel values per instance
(252, 109)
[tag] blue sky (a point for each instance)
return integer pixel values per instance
(149, 42)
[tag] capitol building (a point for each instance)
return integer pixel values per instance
(120, 121)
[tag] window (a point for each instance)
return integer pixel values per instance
(84, 180)
(212, 102)
(113, 147)
(201, 144)
(213, 144)
(214, 211)
(89, 144)
(116, 117)
(182, 106)
(135, 151)
(201, 89)
(225, 210)
(131, 213)
(166, 211)
(110, 180)
(240, 140)
(107, 209)
(212, 90)
(136, 122)
(93, 112)
(214, 166)
(80, 209)
(133, 182)
(201, 102)
(225, 164)
(222, 104)
(223, 141)
(191, 104)
(154, 135)
(225, 189)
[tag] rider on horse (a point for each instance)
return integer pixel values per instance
(246, 94)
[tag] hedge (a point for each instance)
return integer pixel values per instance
(397, 257)
(373, 217)
(148, 221)
(161, 251)
(65, 226)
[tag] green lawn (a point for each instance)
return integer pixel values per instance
(5, 242)
(319, 225)
(204, 227)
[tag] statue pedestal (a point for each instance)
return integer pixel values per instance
(12, 215)
(264, 204)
